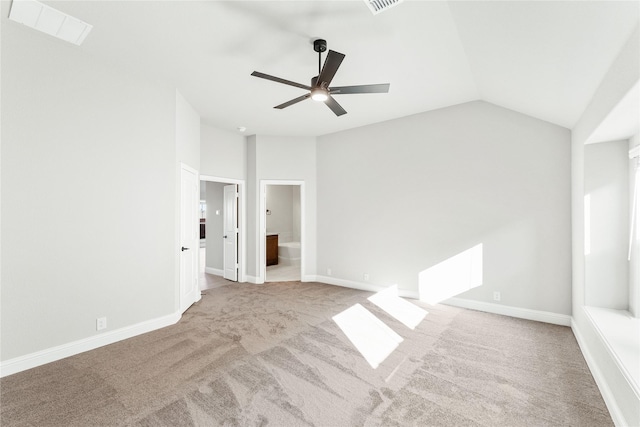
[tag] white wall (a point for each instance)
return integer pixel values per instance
(297, 212)
(621, 399)
(606, 183)
(215, 201)
(253, 191)
(223, 153)
(88, 196)
(280, 205)
(187, 133)
(398, 197)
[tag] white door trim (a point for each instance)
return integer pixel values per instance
(242, 225)
(262, 230)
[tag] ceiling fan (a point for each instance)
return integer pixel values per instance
(319, 90)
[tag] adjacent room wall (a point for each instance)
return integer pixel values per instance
(214, 241)
(280, 211)
(296, 213)
(399, 197)
(88, 196)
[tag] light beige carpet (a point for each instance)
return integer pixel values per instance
(271, 354)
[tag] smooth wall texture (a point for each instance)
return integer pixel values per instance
(606, 185)
(88, 196)
(280, 211)
(187, 133)
(223, 153)
(399, 197)
(214, 242)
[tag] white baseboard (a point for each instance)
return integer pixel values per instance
(349, 284)
(506, 310)
(363, 286)
(214, 271)
(522, 313)
(601, 381)
(22, 363)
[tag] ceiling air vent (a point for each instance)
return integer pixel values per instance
(49, 20)
(377, 6)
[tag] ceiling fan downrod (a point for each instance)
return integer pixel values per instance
(319, 45)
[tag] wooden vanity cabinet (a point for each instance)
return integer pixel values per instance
(272, 249)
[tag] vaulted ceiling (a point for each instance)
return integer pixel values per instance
(541, 58)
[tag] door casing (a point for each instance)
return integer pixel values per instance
(262, 229)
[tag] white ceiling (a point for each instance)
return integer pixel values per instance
(541, 58)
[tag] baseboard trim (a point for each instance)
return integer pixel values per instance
(214, 271)
(506, 310)
(362, 286)
(349, 284)
(28, 361)
(600, 379)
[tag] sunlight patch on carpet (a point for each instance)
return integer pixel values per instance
(373, 339)
(402, 310)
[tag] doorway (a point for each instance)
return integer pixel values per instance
(282, 225)
(222, 235)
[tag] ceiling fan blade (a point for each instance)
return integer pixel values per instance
(279, 80)
(331, 65)
(343, 90)
(335, 107)
(293, 101)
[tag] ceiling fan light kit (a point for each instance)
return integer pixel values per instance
(319, 90)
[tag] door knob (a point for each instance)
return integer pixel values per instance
(184, 249)
(224, 237)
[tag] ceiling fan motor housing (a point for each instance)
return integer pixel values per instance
(320, 45)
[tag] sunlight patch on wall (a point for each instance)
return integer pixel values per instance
(373, 339)
(452, 276)
(408, 314)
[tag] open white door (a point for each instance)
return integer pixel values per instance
(230, 220)
(189, 237)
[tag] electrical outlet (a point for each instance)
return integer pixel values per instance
(366, 277)
(328, 272)
(496, 296)
(101, 323)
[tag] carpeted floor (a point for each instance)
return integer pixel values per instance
(272, 355)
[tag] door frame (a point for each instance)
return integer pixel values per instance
(262, 230)
(242, 223)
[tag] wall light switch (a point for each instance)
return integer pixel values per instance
(217, 211)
